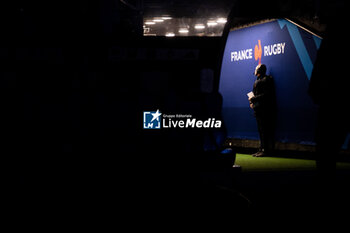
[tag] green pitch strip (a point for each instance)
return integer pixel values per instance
(250, 163)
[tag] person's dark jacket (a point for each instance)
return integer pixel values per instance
(264, 100)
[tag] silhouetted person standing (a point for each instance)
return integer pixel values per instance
(264, 105)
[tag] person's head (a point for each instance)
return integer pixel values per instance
(260, 70)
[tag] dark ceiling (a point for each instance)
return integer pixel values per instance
(39, 18)
(305, 12)
(192, 8)
(308, 12)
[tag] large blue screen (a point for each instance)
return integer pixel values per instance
(289, 53)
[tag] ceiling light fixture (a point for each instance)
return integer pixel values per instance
(199, 26)
(221, 20)
(183, 30)
(212, 23)
(158, 20)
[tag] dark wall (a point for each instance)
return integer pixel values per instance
(75, 79)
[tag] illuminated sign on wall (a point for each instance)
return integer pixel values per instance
(269, 50)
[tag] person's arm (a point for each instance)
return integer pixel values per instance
(268, 91)
(257, 98)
